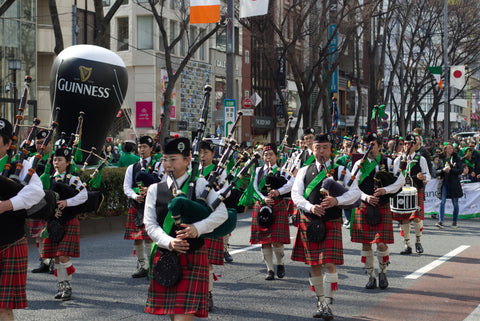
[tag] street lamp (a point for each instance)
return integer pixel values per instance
(14, 65)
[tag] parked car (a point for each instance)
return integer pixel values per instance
(465, 135)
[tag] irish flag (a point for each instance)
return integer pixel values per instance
(204, 11)
(437, 74)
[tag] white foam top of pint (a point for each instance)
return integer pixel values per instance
(94, 53)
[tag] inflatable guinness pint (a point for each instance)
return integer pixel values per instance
(91, 79)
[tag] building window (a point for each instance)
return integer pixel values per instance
(122, 34)
(106, 3)
(145, 32)
(246, 57)
(221, 40)
(201, 50)
(237, 40)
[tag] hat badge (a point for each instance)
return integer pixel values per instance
(2, 124)
(181, 147)
(65, 152)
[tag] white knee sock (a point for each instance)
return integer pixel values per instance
(268, 257)
(367, 258)
(279, 254)
(226, 239)
(331, 285)
(140, 253)
(69, 270)
(383, 260)
(418, 230)
(316, 284)
(406, 233)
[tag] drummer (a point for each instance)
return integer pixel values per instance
(374, 199)
(415, 169)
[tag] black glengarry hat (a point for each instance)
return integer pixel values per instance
(146, 140)
(206, 144)
(322, 138)
(6, 128)
(177, 145)
(62, 151)
(370, 137)
(308, 131)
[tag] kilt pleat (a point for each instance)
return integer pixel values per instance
(416, 214)
(279, 232)
(215, 250)
(330, 250)
(364, 233)
(133, 232)
(189, 296)
(13, 275)
(35, 227)
(68, 246)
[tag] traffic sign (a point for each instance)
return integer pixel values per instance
(247, 103)
(385, 117)
(229, 114)
(247, 112)
(384, 125)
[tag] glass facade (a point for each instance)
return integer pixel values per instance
(18, 58)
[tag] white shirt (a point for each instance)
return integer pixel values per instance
(282, 190)
(423, 166)
(207, 225)
(78, 199)
(30, 194)
(298, 189)
(127, 181)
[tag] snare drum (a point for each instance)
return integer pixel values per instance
(406, 201)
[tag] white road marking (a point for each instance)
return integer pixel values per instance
(427, 268)
(474, 316)
(248, 248)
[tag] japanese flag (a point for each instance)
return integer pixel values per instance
(457, 76)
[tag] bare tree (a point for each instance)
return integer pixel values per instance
(194, 43)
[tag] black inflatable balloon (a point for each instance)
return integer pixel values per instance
(91, 79)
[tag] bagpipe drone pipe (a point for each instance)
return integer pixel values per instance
(187, 208)
(190, 211)
(10, 184)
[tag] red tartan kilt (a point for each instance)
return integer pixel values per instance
(362, 232)
(416, 214)
(291, 207)
(279, 232)
(215, 250)
(189, 296)
(68, 246)
(35, 227)
(13, 275)
(329, 250)
(133, 232)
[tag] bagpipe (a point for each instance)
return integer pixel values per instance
(10, 184)
(186, 207)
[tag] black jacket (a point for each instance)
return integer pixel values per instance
(452, 179)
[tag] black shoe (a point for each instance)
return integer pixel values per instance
(326, 311)
(141, 273)
(382, 281)
(59, 291)
(51, 267)
(280, 271)
(210, 301)
(319, 313)
(42, 268)
(408, 250)
(67, 291)
(270, 276)
(228, 257)
(419, 248)
(372, 283)
(434, 216)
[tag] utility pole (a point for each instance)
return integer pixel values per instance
(446, 93)
(230, 49)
